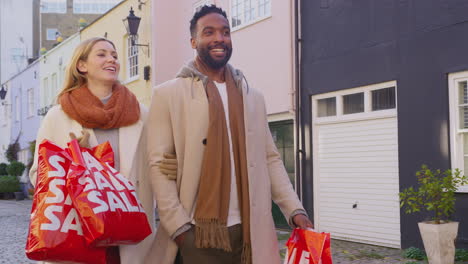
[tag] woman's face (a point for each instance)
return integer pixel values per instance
(102, 64)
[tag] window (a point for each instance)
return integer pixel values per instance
(383, 99)
(198, 5)
(23, 156)
(353, 103)
(52, 34)
(17, 109)
(326, 107)
(54, 6)
(357, 103)
(45, 88)
(458, 103)
(244, 12)
(17, 55)
(93, 6)
(132, 54)
(31, 102)
(53, 85)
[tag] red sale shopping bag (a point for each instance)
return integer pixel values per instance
(55, 230)
(308, 247)
(106, 200)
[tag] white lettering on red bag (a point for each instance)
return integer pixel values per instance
(54, 221)
(130, 207)
(59, 170)
(68, 224)
(90, 185)
(58, 198)
(115, 202)
(119, 176)
(101, 181)
(291, 257)
(71, 222)
(91, 162)
(93, 196)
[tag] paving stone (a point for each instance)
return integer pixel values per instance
(14, 222)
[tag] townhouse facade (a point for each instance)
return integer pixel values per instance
(16, 36)
(383, 91)
(53, 66)
(134, 52)
(25, 91)
(63, 18)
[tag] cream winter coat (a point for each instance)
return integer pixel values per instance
(56, 127)
(178, 123)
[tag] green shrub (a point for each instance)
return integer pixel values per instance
(3, 170)
(15, 168)
(436, 193)
(414, 253)
(461, 254)
(9, 184)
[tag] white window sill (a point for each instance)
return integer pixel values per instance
(463, 189)
(250, 23)
(132, 79)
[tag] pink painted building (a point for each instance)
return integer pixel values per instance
(263, 48)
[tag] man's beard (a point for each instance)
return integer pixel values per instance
(204, 54)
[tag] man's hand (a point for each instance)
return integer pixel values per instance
(179, 240)
(83, 140)
(302, 221)
(168, 166)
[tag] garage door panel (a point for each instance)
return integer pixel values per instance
(368, 148)
(358, 162)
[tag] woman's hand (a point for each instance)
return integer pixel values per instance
(83, 140)
(168, 166)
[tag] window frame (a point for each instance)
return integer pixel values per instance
(60, 7)
(31, 105)
(17, 109)
(130, 65)
(47, 34)
(368, 112)
(456, 133)
(199, 4)
(94, 7)
(254, 5)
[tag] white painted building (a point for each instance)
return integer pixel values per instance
(53, 65)
(5, 123)
(16, 36)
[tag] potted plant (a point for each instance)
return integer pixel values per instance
(8, 186)
(15, 169)
(435, 194)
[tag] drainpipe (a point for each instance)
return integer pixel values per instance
(297, 78)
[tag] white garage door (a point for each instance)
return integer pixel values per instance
(356, 181)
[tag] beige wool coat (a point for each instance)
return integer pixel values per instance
(178, 123)
(56, 127)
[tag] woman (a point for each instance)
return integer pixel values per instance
(95, 105)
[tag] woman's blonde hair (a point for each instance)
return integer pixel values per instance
(73, 77)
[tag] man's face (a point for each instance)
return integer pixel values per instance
(213, 40)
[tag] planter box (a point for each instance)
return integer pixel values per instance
(439, 241)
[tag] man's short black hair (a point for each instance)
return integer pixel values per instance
(203, 11)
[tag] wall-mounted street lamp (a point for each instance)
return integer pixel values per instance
(3, 93)
(132, 23)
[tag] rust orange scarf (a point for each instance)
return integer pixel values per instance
(121, 110)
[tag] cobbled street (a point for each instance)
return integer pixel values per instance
(14, 220)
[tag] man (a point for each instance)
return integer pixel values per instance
(218, 210)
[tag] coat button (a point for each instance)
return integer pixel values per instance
(252, 164)
(204, 141)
